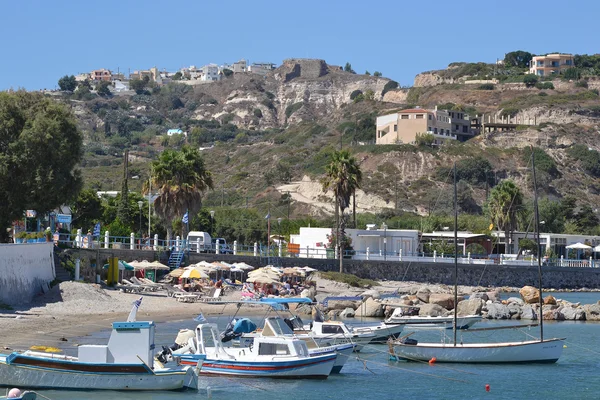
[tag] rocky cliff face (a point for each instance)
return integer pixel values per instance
(300, 90)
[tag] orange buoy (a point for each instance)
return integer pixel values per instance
(433, 360)
(487, 388)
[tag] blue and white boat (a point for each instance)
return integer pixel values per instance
(267, 356)
(16, 394)
(126, 363)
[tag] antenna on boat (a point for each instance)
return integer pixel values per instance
(537, 241)
(454, 321)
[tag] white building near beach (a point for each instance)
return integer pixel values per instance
(373, 241)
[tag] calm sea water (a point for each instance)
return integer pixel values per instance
(371, 376)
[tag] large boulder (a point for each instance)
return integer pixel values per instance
(347, 313)
(371, 293)
(527, 312)
(310, 292)
(443, 300)
(493, 295)
(423, 294)
(479, 295)
(432, 310)
(550, 300)
(342, 304)
(470, 307)
(530, 295)
(514, 310)
(592, 312)
(550, 313)
(369, 308)
(515, 300)
(497, 311)
(572, 313)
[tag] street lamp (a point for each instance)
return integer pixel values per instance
(384, 226)
(212, 217)
(140, 204)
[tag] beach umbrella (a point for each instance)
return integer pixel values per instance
(122, 266)
(597, 249)
(262, 279)
(159, 265)
(579, 246)
(176, 273)
(191, 273)
(244, 266)
(203, 274)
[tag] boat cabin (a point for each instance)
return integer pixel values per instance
(129, 343)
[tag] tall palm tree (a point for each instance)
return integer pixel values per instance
(343, 176)
(504, 205)
(181, 178)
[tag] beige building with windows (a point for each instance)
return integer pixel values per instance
(404, 126)
(551, 64)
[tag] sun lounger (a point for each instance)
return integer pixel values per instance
(187, 298)
(145, 286)
(130, 287)
(173, 290)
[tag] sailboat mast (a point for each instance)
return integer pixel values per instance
(537, 233)
(455, 259)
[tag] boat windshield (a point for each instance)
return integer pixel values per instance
(273, 349)
(278, 326)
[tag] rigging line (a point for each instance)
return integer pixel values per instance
(417, 372)
(582, 347)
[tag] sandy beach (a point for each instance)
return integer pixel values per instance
(72, 309)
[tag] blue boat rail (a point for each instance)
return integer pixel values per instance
(275, 251)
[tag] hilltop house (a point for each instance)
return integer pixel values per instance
(551, 64)
(404, 126)
(175, 131)
(101, 75)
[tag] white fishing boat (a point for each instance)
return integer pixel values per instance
(126, 363)
(17, 394)
(276, 326)
(530, 351)
(268, 356)
(428, 322)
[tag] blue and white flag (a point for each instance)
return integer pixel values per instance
(200, 318)
(97, 229)
(268, 216)
(133, 313)
(185, 218)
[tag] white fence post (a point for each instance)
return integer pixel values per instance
(77, 269)
(400, 255)
(562, 259)
(106, 239)
(335, 253)
(367, 254)
(469, 257)
(280, 244)
(435, 256)
(132, 241)
(217, 246)
(198, 245)
(501, 259)
(307, 252)
(155, 242)
(79, 239)
(235, 247)
(177, 243)
(255, 249)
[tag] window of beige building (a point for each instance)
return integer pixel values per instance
(395, 128)
(404, 116)
(419, 116)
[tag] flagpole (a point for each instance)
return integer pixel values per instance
(269, 235)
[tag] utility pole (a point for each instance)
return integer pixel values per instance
(222, 195)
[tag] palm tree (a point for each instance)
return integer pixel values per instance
(181, 178)
(343, 176)
(504, 205)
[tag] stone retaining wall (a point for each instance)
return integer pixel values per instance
(471, 275)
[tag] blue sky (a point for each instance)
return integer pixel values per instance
(44, 40)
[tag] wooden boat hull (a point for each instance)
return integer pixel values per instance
(548, 351)
(416, 322)
(318, 367)
(38, 373)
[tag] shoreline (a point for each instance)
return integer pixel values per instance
(74, 309)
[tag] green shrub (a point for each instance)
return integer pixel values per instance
(486, 86)
(543, 162)
(258, 113)
(544, 85)
(581, 84)
(349, 279)
(292, 108)
(542, 94)
(530, 80)
(509, 111)
(355, 94)
(589, 159)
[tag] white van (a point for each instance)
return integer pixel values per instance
(196, 238)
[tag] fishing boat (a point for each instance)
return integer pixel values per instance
(428, 322)
(267, 356)
(276, 326)
(16, 394)
(125, 363)
(530, 351)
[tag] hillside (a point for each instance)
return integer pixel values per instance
(266, 137)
